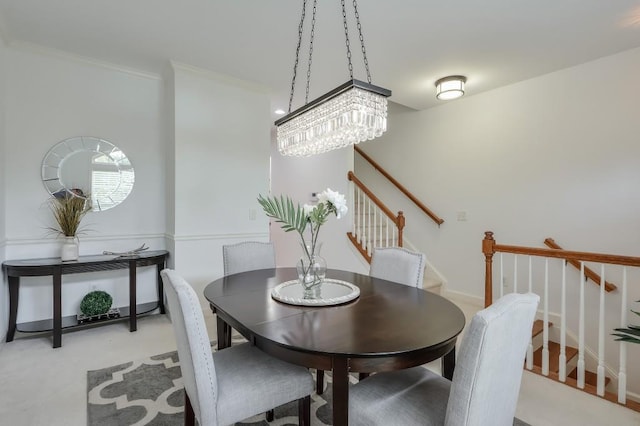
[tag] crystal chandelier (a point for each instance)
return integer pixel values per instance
(354, 112)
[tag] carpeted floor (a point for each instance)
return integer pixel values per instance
(150, 392)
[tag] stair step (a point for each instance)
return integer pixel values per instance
(590, 377)
(554, 352)
(538, 327)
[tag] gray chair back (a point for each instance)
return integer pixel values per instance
(248, 256)
(194, 348)
(398, 264)
(488, 373)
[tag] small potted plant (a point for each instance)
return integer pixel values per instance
(68, 210)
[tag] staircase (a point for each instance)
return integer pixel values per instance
(579, 360)
(571, 354)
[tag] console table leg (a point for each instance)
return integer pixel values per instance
(449, 364)
(160, 267)
(14, 293)
(57, 306)
(133, 324)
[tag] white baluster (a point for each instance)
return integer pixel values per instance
(545, 328)
(386, 244)
(368, 232)
(360, 219)
(622, 374)
(562, 358)
(600, 388)
(394, 236)
(530, 348)
(376, 211)
(581, 329)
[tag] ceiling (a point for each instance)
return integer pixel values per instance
(409, 43)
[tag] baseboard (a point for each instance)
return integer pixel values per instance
(462, 297)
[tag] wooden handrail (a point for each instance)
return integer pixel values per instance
(398, 185)
(489, 247)
(588, 272)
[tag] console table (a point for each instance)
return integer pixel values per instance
(56, 268)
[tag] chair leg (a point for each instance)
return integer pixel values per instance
(270, 415)
(319, 381)
(189, 415)
(304, 411)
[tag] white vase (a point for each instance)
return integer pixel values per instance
(69, 249)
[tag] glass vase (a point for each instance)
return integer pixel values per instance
(312, 269)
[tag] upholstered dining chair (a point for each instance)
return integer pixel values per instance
(248, 256)
(398, 264)
(486, 381)
(225, 387)
(242, 257)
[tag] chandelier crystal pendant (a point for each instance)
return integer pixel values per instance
(354, 112)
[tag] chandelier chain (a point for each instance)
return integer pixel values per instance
(313, 26)
(346, 38)
(295, 65)
(364, 51)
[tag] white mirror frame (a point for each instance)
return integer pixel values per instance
(106, 174)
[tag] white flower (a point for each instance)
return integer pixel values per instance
(338, 201)
(308, 208)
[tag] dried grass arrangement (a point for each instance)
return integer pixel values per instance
(68, 212)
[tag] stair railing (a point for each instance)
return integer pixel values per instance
(490, 248)
(398, 185)
(588, 272)
(373, 224)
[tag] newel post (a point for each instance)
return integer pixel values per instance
(400, 225)
(488, 248)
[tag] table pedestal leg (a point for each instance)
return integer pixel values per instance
(340, 391)
(449, 364)
(14, 293)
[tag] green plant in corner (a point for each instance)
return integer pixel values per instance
(68, 212)
(630, 334)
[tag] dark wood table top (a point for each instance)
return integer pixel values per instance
(386, 319)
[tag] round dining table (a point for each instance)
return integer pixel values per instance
(388, 326)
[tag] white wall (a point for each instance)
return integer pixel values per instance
(221, 147)
(49, 97)
(4, 294)
(298, 178)
(556, 156)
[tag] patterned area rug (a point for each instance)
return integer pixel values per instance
(150, 392)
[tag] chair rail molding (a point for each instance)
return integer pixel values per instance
(204, 237)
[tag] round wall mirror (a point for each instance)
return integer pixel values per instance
(88, 167)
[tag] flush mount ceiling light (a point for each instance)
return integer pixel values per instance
(451, 87)
(353, 112)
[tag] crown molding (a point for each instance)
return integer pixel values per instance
(50, 51)
(212, 75)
